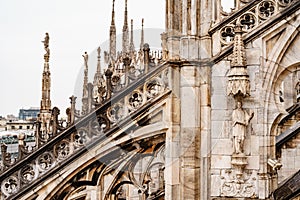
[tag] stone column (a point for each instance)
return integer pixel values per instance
(205, 132)
(190, 133)
(172, 118)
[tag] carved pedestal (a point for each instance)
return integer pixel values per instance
(239, 162)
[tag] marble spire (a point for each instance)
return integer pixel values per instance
(85, 85)
(45, 116)
(142, 36)
(125, 41)
(46, 81)
(131, 38)
(112, 35)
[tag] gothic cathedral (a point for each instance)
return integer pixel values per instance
(212, 115)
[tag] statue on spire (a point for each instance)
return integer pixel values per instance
(46, 41)
(46, 46)
(86, 59)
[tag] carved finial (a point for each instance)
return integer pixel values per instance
(125, 42)
(112, 35)
(99, 52)
(99, 63)
(239, 53)
(98, 79)
(85, 85)
(142, 35)
(238, 77)
(126, 14)
(113, 14)
(131, 38)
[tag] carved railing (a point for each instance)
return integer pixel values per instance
(251, 15)
(237, 6)
(119, 106)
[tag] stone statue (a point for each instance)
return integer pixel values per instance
(240, 120)
(46, 41)
(86, 58)
(46, 45)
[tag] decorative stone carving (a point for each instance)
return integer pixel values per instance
(28, 173)
(285, 2)
(242, 187)
(227, 35)
(248, 21)
(154, 87)
(238, 78)
(10, 186)
(45, 161)
(266, 9)
(236, 183)
(135, 100)
(101, 124)
(255, 15)
(239, 162)
(80, 137)
(115, 112)
(62, 150)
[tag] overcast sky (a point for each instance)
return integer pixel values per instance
(74, 26)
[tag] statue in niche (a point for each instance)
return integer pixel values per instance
(240, 119)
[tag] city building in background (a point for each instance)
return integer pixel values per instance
(29, 114)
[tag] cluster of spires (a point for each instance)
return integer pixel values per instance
(127, 45)
(116, 62)
(112, 58)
